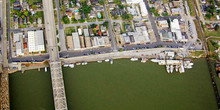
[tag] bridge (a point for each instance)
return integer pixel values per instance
(55, 64)
(4, 89)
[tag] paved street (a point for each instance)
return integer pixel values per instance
(81, 24)
(152, 20)
(110, 30)
(61, 29)
(27, 29)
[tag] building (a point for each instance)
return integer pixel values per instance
(36, 41)
(140, 36)
(176, 11)
(86, 32)
(82, 41)
(175, 28)
(76, 42)
(163, 24)
(18, 40)
(80, 31)
(98, 41)
(166, 36)
(143, 8)
(88, 42)
(69, 40)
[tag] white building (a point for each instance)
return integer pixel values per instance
(141, 35)
(80, 31)
(86, 32)
(36, 41)
(175, 28)
(18, 43)
(163, 24)
(142, 6)
(143, 9)
(98, 41)
(76, 42)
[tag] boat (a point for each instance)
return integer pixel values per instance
(65, 65)
(155, 60)
(171, 68)
(71, 65)
(45, 69)
(106, 60)
(168, 68)
(99, 61)
(177, 68)
(181, 69)
(144, 60)
(111, 61)
(78, 63)
(84, 63)
(134, 59)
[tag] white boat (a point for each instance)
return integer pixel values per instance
(134, 59)
(71, 65)
(99, 61)
(65, 65)
(177, 68)
(181, 69)
(171, 68)
(84, 63)
(111, 61)
(45, 69)
(143, 60)
(168, 68)
(78, 63)
(155, 60)
(106, 60)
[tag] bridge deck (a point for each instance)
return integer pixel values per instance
(55, 64)
(5, 104)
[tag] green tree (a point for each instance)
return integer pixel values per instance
(66, 19)
(118, 2)
(34, 7)
(121, 6)
(93, 25)
(31, 18)
(208, 16)
(19, 13)
(101, 2)
(127, 17)
(105, 23)
(216, 27)
(86, 8)
(26, 13)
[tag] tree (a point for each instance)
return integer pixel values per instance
(101, 2)
(118, 2)
(19, 13)
(121, 6)
(208, 16)
(31, 18)
(86, 8)
(93, 25)
(216, 27)
(127, 17)
(34, 7)
(105, 23)
(66, 19)
(26, 13)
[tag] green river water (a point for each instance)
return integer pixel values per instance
(125, 85)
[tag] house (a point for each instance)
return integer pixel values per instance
(126, 38)
(94, 2)
(143, 8)
(97, 8)
(25, 6)
(115, 12)
(176, 11)
(176, 2)
(128, 27)
(86, 32)
(38, 4)
(112, 6)
(132, 10)
(83, 16)
(91, 33)
(69, 14)
(103, 28)
(92, 14)
(167, 9)
(159, 7)
(203, 1)
(88, 2)
(80, 31)
(163, 24)
(16, 4)
(66, 3)
(117, 28)
(98, 41)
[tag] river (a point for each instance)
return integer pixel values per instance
(125, 85)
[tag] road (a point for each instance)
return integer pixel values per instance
(152, 20)
(9, 32)
(110, 29)
(61, 29)
(27, 29)
(81, 24)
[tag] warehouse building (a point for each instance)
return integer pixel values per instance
(36, 41)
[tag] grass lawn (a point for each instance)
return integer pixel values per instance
(69, 31)
(213, 33)
(191, 7)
